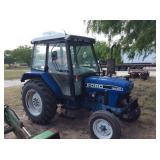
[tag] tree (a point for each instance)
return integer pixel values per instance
(135, 37)
(103, 52)
(22, 54)
(8, 58)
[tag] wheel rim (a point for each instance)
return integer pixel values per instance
(102, 129)
(33, 102)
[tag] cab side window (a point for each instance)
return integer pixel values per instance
(57, 60)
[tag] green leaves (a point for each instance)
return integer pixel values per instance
(22, 54)
(8, 58)
(103, 52)
(137, 37)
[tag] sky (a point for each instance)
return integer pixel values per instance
(22, 33)
(149, 59)
(22, 24)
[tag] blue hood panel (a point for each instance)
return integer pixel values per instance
(105, 82)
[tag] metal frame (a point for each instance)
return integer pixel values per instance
(46, 60)
(71, 75)
(96, 59)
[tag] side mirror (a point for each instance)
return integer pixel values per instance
(54, 55)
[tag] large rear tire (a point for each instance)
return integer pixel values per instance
(38, 101)
(104, 125)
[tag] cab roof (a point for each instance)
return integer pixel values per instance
(62, 37)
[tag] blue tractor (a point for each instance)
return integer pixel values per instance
(65, 72)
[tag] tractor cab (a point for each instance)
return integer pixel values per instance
(67, 59)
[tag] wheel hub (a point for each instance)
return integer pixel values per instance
(102, 129)
(33, 102)
(36, 100)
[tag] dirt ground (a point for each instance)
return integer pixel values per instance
(144, 128)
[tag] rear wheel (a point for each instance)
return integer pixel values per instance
(38, 101)
(104, 125)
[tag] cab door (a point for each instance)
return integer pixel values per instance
(58, 66)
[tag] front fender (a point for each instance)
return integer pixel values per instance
(46, 78)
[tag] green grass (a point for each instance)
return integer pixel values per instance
(14, 73)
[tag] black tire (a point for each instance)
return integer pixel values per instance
(49, 105)
(110, 118)
(143, 76)
(133, 75)
(133, 115)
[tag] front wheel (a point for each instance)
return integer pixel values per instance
(104, 125)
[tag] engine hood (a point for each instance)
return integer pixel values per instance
(105, 83)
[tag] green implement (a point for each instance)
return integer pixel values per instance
(47, 135)
(17, 127)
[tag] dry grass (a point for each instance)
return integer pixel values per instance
(12, 96)
(146, 93)
(14, 73)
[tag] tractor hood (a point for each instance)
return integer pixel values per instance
(108, 83)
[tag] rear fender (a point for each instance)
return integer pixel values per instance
(46, 78)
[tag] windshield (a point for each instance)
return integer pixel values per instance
(83, 59)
